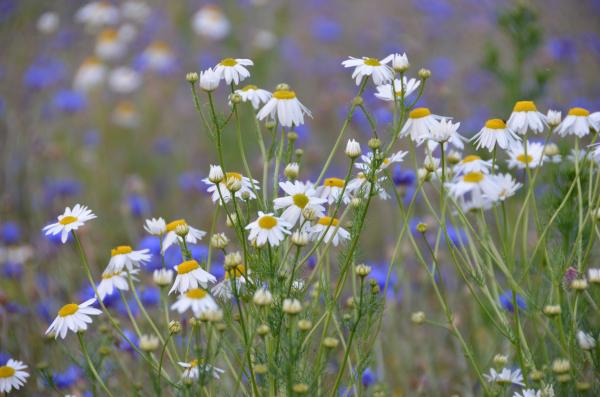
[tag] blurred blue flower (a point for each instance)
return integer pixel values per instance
(191, 181)
(139, 205)
(69, 101)
(163, 145)
(61, 189)
(442, 68)
(44, 311)
(562, 49)
(91, 138)
(44, 72)
(124, 345)
(67, 378)
(10, 233)
(403, 177)
(150, 296)
(368, 378)
(506, 301)
(12, 270)
(457, 236)
(434, 8)
(326, 30)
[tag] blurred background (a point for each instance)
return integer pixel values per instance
(95, 108)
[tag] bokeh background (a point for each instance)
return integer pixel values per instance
(134, 148)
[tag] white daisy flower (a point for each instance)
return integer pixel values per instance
(400, 62)
(506, 376)
(158, 56)
(501, 187)
(210, 21)
(331, 189)
(196, 299)
(48, 22)
(209, 80)
(526, 116)
(254, 95)
(300, 196)
(124, 80)
(124, 257)
(365, 163)
(585, 340)
(112, 281)
(163, 277)
(97, 14)
(446, 131)
(284, 106)
(473, 163)
(364, 67)
(579, 122)
(553, 117)
(193, 236)
(70, 220)
(156, 226)
(110, 46)
(245, 190)
(190, 275)
(192, 370)
(474, 201)
(126, 115)
(495, 133)
(268, 228)
(12, 375)
(223, 290)
(90, 75)
(360, 186)
(420, 125)
(575, 155)
(324, 223)
(535, 155)
(73, 317)
(387, 92)
(135, 10)
(528, 393)
(233, 70)
(467, 183)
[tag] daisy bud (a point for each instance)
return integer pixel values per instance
(353, 149)
(174, 327)
(182, 230)
(192, 77)
(362, 270)
(245, 195)
(375, 289)
(292, 306)
(163, 277)
(583, 386)
(197, 321)
(579, 284)
(400, 62)
(330, 342)
(551, 149)
(551, 310)
(424, 74)
(374, 143)
(357, 101)
(235, 98)
(104, 351)
(430, 164)
(261, 369)
(231, 220)
(300, 388)
(232, 260)
(594, 275)
(553, 118)
(421, 227)
(347, 317)
(299, 238)
(233, 184)
(536, 375)
(585, 340)
(500, 360)
(219, 241)
(304, 325)
(262, 297)
(282, 87)
(214, 315)
(299, 153)
(423, 175)
(454, 157)
(291, 171)
(216, 175)
(263, 329)
(149, 343)
(292, 136)
(563, 378)
(209, 80)
(417, 317)
(350, 302)
(270, 124)
(560, 366)
(309, 214)
(220, 327)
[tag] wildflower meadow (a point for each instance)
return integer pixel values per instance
(299, 198)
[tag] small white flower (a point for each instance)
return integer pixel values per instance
(192, 370)
(586, 341)
(364, 67)
(284, 106)
(224, 289)
(299, 196)
(110, 46)
(97, 14)
(158, 56)
(262, 297)
(245, 190)
(196, 299)
(473, 163)
(393, 91)
(112, 281)
(268, 228)
(360, 187)
(216, 174)
(124, 80)
(211, 22)
(69, 221)
(291, 306)
(594, 273)
(467, 183)
(495, 133)
(535, 155)
(526, 116)
(331, 189)
(73, 317)
(163, 277)
(135, 10)
(48, 23)
(446, 131)
(156, 226)
(501, 187)
(254, 95)
(420, 125)
(233, 70)
(209, 80)
(189, 276)
(90, 75)
(579, 122)
(193, 236)
(528, 393)
(12, 375)
(400, 62)
(124, 257)
(506, 376)
(553, 117)
(353, 149)
(326, 226)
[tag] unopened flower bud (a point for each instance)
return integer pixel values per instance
(309, 214)
(191, 77)
(362, 270)
(417, 317)
(374, 143)
(261, 369)
(299, 238)
(174, 327)
(270, 124)
(291, 171)
(500, 360)
(149, 343)
(536, 375)
(304, 325)
(233, 184)
(231, 220)
(262, 297)
(454, 157)
(235, 98)
(583, 386)
(216, 175)
(219, 240)
(292, 136)
(355, 202)
(422, 227)
(299, 153)
(400, 62)
(551, 310)
(300, 388)
(263, 329)
(424, 73)
(182, 230)
(553, 117)
(232, 260)
(291, 306)
(586, 341)
(594, 275)
(357, 101)
(353, 149)
(560, 366)
(163, 277)
(330, 342)
(579, 284)
(282, 87)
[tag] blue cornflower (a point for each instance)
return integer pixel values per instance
(10, 233)
(69, 101)
(506, 301)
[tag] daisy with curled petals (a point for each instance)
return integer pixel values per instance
(12, 375)
(534, 157)
(473, 163)
(233, 69)
(505, 377)
(193, 235)
(445, 132)
(526, 116)
(124, 256)
(254, 95)
(394, 91)
(501, 187)
(364, 67)
(326, 228)
(495, 133)
(467, 183)
(196, 299)
(70, 220)
(190, 275)
(245, 190)
(331, 189)
(268, 228)
(300, 196)
(579, 122)
(156, 226)
(192, 370)
(528, 393)
(420, 125)
(112, 281)
(366, 160)
(285, 107)
(223, 290)
(360, 186)
(73, 317)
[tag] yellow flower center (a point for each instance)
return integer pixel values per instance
(284, 94)
(495, 124)
(333, 182)
(234, 175)
(120, 250)
(525, 106)
(525, 159)
(196, 293)
(372, 62)
(108, 35)
(91, 61)
(419, 113)
(171, 226)
(473, 177)
(6, 371)
(267, 222)
(249, 87)
(108, 276)
(238, 271)
(229, 62)
(187, 266)
(300, 200)
(470, 158)
(68, 309)
(67, 219)
(327, 220)
(193, 363)
(160, 46)
(579, 112)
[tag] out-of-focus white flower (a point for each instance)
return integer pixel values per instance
(126, 115)
(12, 375)
(553, 117)
(163, 277)
(97, 14)
(586, 341)
(135, 10)
(211, 22)
(495, 133)
(124, 80)
(528, 393)
(501, 187)
(110, 46)
(192, 370)
(579, 122)
(505, 377)
(254, 95)
(467, 183)
(365, 67)
(525, 116)
(393, 91)
(90, 74)
(399, 62)
(158, 57)
(264, 40)
(48, 22)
